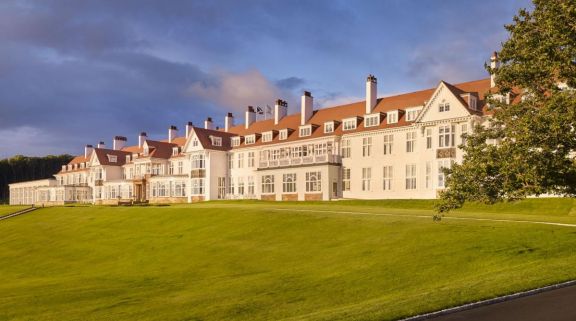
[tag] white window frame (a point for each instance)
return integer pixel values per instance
(267, 137)
(411, 173)
(410, 142)
(289, 183)
(283, 134)
(235, 141)
(387, 176)
(346, 148)
(349, 124)
(305, 131)
(366, 179)
(346, 175)
(412, 113)
(314, 182)
(366, 146)
(250, 139)
(329, 127)
(267, 184)
(443, 107)
(372, 120)
(392, 117)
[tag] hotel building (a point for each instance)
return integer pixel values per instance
(380, 148)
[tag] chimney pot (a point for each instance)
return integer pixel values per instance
(172, 133)
(141, 139)
(228, 122)
(189, 127)
(371, 93)
(208, 123)
(280, 110)
(306, 109)
(250, 117)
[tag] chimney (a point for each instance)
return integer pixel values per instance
(280, 110)
(371, 92)
(172, 133)
(88, 150)
(208, 123)
(250, 116)
(228, 122)
(307, 107)
(119, 142)
(189, 127)
(100, 145)
(494, 64)
(141, 138)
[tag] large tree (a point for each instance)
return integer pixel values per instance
(528, 145)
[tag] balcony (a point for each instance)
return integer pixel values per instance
(98, 182)
(198, 173)
(301, 161)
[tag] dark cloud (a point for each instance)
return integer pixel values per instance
(290, 83)
(75, 72)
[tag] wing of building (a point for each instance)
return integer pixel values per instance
(379, 148)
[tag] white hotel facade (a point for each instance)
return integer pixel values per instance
(380, 148)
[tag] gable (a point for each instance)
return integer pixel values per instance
(435, 108)
(193, 143)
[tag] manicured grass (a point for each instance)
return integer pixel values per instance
(248, 261)
(9, 209)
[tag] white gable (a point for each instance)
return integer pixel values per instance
(435, 109)
(192, 143)
(93, 160)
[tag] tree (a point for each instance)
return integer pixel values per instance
(528, 146)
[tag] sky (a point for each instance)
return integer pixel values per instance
(78, 72)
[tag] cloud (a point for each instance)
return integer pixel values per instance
(290, 83)
(235, 91)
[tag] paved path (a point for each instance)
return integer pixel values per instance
(555, 305)
(425, 216)
(24, 211)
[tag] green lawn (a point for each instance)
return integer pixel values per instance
(249, 261)
(9, 209)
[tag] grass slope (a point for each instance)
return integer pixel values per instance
(246, 261)
(9, 209)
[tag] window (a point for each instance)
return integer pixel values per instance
(235, 141)
(313, 181)
(195, 142)
(216, 141)
(267, 184)
(442, 164)
(412, 114)
(305, 131)
(179, 189)
(171, 169)
(428, 174)
(388, 142)
(387, 178)
(267, 137)
(443, 107)
(181, 167)
(366, 178)
(221, 187)
(241, 185)
(428, 138)
(240, 160)
(250, 185)
(250, 139)
(446, 136)
(230, 161)
(345, 179)
(346, 148)
(372, 120)
(463, 133)
(197, 186)
(197, 161)
(231, 187)
(473, 102)
(329, 127)
(250, 159)
(112, 158)
(284, 134)
(366, 146)
(411, 176)
(410, 142)
(349, 124)
(289, 183)
(392, 117)
(175, 151)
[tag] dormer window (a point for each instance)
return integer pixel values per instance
(283, 134)
(473, 102)
(127, 158)
(372, 120)
(175, 151)
(267, 137)
(412, 113)
(328, 127)
(443, 107)
(235, 141)
(392, 117)
(216, 141)
(112, 158)
(349, 123)
(250, 139)
(305, 131)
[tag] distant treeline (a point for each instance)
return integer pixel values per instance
(22, 168)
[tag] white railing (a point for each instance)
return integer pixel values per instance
(318, 159)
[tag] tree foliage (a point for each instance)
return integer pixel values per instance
(22, 168)
(528, 146)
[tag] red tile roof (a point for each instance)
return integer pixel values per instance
(337, 113)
